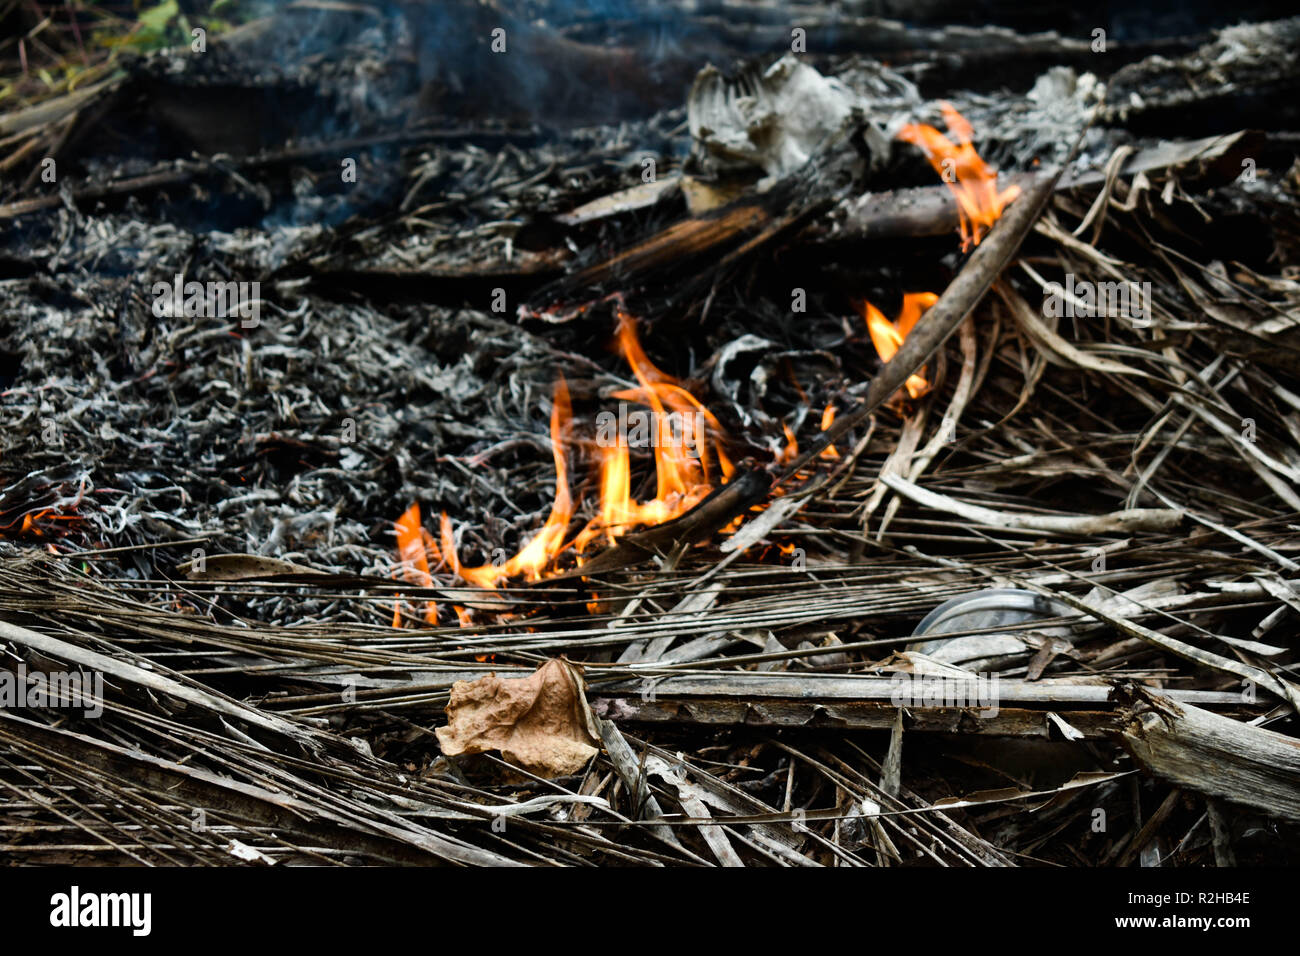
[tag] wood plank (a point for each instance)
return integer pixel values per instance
(849, 715)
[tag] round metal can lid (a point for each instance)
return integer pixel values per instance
(991, 608)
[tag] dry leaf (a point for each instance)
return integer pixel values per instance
(541, 722)
(240, 567)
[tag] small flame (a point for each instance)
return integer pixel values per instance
(413, 549)
(548, 543)
(828, 419)
(791, 450)
(887, 336)
(973, 183)
(35, 524)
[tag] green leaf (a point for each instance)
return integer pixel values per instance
(155, 19)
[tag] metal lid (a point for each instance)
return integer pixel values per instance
(980, 611)
(991, 608)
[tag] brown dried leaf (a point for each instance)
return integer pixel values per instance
(541, 722)
(240, 567)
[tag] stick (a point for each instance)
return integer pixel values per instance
(1130, 519)
(929, 210)
(160, 683)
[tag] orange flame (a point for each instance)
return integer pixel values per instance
(686, 440)
(887, 336)
(35, 523)
(973, 183)
(413, 550)
(683, 472)
(791, 450)
(828, 419)
(533, 558)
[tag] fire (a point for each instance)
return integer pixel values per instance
(691, 460)
(973, 183)
(828, 419)
(414, 552)
(41, 522)
(688, 456)
(548, 543)
(32, 522)
(680, 438)
(791, 450)
(887, 336)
